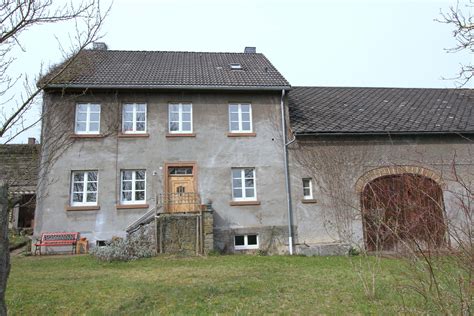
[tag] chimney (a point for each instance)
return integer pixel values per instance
(31, 140)
(99, 46)
(250, 50)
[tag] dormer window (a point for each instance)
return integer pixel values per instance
(236, 66)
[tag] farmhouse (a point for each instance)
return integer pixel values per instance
(218, 151)
(19, 170)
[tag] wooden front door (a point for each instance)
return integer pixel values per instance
(181, 189)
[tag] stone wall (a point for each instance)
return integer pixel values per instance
(185, 233)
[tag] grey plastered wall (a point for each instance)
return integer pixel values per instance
(214, 153)
(340, 161)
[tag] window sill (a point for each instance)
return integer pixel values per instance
(244, 203)
(133, 135)
(83, 208)
(309, 201)
(87, 136)
(240, 248)
(131, 206)
(233, 134)
(181, 135)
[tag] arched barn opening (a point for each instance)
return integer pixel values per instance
(403, 209)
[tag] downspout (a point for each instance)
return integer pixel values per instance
(287, 172)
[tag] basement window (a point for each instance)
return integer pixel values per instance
(235, 66)
(242, 242)
(100, 243)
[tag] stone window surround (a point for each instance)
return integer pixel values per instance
(393, 170)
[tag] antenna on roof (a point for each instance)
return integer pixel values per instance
(250, 50)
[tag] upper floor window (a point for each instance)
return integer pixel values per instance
(132, 187)
(243, 184)
(180, 118)
(87, 118)
(134, 118)
(308, 189)
(84, 188)
(240, 117)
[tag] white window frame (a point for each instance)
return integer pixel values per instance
(235, 66)
(239, 112)
(134, 118)
(243, 187)
(84, 191)
(310, 187)
(180, 118)
(88, 120)
(133, 189)
(246, 244)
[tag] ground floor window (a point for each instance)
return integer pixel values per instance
(84, 188)
(245, 242)
(133, 183)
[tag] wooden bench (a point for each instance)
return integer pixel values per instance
(57, 240)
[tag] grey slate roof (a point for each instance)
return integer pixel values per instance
(333, 110)
(158, 69)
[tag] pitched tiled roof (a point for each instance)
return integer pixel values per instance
(380, 110)
(155, 69)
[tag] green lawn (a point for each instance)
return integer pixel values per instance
(201, 285)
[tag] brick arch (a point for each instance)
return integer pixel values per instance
(393, 170)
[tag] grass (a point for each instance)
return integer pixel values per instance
(15, 241)
(200, 285)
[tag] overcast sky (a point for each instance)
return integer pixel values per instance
(314, 43)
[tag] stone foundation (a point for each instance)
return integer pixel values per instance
(272, 239)
(185, 233)
(323, 249)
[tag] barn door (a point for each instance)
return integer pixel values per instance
(401, 209)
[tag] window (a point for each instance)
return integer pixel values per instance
(235, 66)
(181, 170)
(240, 118)
(134, 118)
(84, 188)
(307, 189)
(132, 187)
(245, 242)
(87, 118)
(180, 118)
(243, 184)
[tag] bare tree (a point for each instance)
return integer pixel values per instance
(461, 19)
(16, 18)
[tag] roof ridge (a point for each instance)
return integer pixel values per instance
(399, 88)
(169, 51)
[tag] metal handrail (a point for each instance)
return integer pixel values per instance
(190, 200)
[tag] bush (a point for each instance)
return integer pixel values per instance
(353, 252)
(118, 249)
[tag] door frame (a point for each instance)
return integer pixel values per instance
(167, 165)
